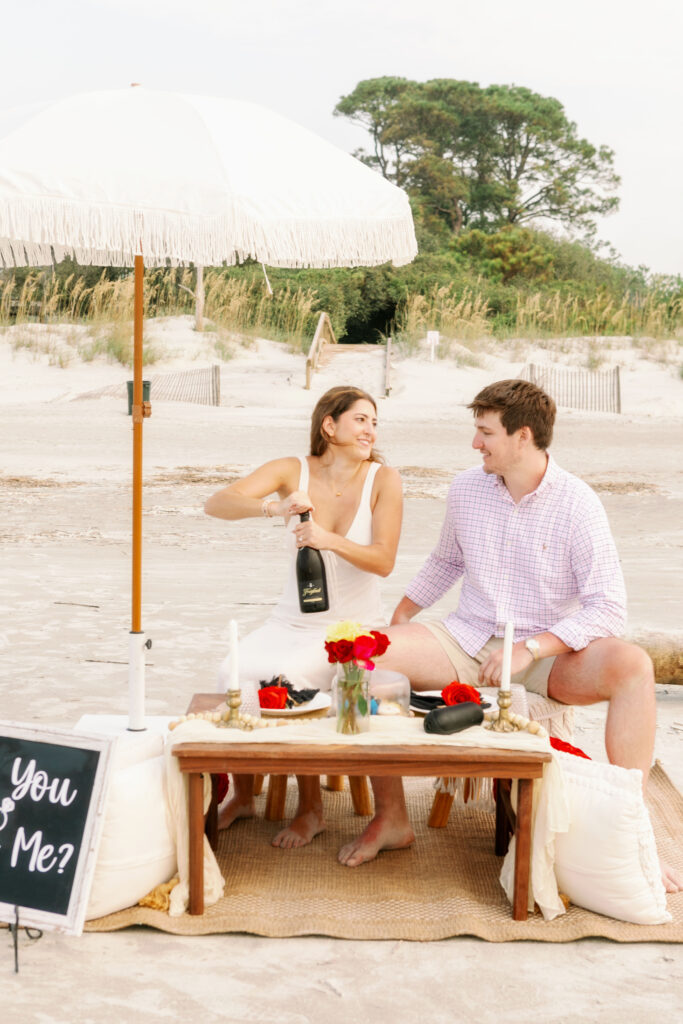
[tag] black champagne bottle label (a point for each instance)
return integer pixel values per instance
(311, 578)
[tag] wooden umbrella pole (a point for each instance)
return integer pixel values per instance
(138, 415)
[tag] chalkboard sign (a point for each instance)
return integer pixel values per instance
(52, 789)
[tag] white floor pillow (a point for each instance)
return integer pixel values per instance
(607, 862)
(137, 850)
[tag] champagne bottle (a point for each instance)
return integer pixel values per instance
(310, 577)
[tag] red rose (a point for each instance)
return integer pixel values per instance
(567, 748)
(382, 641)
(459, 693)
(364, 648)
(273, 697)
(339, 650)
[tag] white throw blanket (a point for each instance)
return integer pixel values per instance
(550, 811)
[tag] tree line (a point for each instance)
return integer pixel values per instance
(505, 194)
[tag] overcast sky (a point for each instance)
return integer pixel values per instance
(615, 66)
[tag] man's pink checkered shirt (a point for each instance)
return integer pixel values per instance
(548, 563)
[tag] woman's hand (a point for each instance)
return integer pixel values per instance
(294, 504)
(248, 497)
(311, 535)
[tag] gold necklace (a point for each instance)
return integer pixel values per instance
(353, 476)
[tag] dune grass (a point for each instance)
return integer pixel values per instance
(243, 306)
(238, 307)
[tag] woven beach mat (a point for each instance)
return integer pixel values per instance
(446, 884)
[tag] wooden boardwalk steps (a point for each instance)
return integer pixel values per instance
(362, 365)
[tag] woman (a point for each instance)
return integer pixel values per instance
(356, 506)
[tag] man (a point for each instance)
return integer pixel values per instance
(532, 544)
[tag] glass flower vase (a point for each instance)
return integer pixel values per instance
(352, 686)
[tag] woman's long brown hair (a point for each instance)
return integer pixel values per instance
(334, 403)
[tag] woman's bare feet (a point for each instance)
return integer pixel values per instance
(309, 819)
(300, 830)
(671, 877)
(383, 833)
(241, 804)
(234, 809)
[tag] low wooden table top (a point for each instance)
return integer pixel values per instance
(342, 759)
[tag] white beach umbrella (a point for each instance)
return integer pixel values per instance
(125, 176)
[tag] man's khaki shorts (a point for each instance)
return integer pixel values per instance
(534, 678)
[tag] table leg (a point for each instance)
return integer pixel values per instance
(275, 798)
(505, 817)
(441, 809)
(360, 794)
(211, 825)
(195, 783)
(522, 849)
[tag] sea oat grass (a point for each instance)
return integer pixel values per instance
(114, 341)
(244, 305)
(238, 300)
(539, 315)
(463, 317)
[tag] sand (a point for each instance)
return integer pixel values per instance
(64, 593)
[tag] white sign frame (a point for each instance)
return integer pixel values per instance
(70, 923)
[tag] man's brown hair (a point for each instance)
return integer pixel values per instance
(520, 404)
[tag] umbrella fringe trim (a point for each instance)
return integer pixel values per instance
(36, 232)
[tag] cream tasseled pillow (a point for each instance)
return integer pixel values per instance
(607, 861)
(137, 849)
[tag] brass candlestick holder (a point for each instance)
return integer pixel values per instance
(235, 719)
(502, 721)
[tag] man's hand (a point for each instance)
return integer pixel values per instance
(491, 671)
(405, 610)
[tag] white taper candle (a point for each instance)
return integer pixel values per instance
(234, 657)
(507, 655)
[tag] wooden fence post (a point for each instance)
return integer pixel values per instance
(199, 300)
(387, 369)
(323, 328)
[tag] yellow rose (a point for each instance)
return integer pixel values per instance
(344, 631)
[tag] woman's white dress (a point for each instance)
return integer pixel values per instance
(293, 643)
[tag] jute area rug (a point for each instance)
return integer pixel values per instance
(446, 884)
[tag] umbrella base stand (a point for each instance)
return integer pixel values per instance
(137, 645)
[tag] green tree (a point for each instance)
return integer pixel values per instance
(372, 105)
(513, 253)
(483, 158)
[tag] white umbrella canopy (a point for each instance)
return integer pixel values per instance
(114, 178)
(178, 178)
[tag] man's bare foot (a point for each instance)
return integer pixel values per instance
(671, 877)
(300, 830)
(235, 808)
(381, 834)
